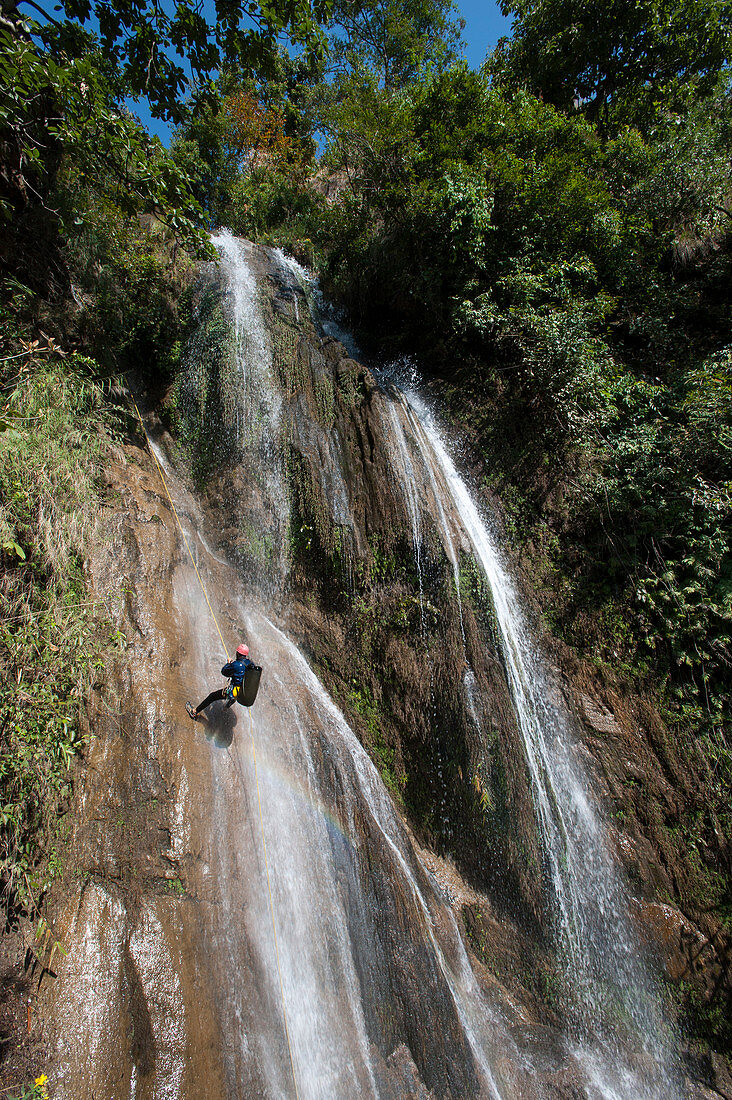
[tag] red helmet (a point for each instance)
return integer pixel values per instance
(242, 651)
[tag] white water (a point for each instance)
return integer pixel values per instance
(327, 1030)
(361, 931)
(326, 316)
(610, 991)
(402, 415)
(327, 932)
(618, 1033)
(368, 794)
(350, 903)
(258, 408)
(262, 403)
(404, 471)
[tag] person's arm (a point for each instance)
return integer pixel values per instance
(228, 670)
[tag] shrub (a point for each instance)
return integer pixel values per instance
(52, 636)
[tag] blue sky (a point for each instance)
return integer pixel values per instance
(484, 25)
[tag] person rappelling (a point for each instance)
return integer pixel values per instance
(242, 688)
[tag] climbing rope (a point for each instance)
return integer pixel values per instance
(254, 752)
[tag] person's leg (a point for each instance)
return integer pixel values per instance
(219, 693)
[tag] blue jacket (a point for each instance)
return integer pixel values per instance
(235, 670)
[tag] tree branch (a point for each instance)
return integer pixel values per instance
(32, 4)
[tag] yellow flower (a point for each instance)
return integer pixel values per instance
(40, 1081)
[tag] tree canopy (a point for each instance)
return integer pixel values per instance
(168, 52)
(619, 58)
(395, 40)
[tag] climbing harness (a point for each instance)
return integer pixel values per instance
(234, 692)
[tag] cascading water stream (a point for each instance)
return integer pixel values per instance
(606, 977)
(609, 991)
(171, 986)
(405, 473)
(351, 902)
(327, 319)
(481, 1027)
(258, 402)
(401, 413)
(607, 980)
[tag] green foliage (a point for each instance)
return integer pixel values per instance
(55, 105)
(132, 284)
(272, 205)
(136, 310)
(705, 1016)
(657, 532)
(374, 49)
(396, 40)
(147, 43)
(362, 702)
(36, 1091)
(620, 61)
(52, 641)
(491, 206)
(249, 162)
(592, 274)
(475, 589)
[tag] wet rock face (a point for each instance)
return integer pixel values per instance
(116, 1018)
(685, 950)
(651, 789)
(168, 989)
(169, 985)
(383, 626)
(388, 636)
(651, 782)
(399, 670)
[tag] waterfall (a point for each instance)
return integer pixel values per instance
(327, 817)
(612, 999)
(332, 860)
(261, 403)
(328, 318)
(361, 931)
(371, 956)
(258, 402)
(333, 966)
(405, 474)
(401, 416)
